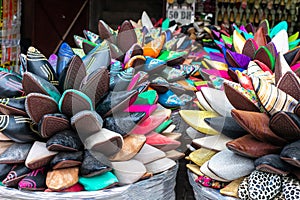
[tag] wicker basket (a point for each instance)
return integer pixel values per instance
(159, 187)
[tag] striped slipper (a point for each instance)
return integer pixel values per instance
(13, 106)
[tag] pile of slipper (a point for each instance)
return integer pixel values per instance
(248, 117)
(96, 116)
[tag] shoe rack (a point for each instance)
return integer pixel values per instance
(242, 12)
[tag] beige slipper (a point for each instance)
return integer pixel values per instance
(149, 154)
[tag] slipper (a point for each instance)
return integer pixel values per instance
(16, 153)
(172, 74)
(99, 182)
(290, 153)
(106, 32)
(264, 55)
(227, 126)
(160, 165)
(129, 172)
(147, 109)
(52, 60)
(232, 188)
(153, 65)
(34, 181)
(280, 40)
(116, 101)
(4, 146)
(12, 125)
(149, 154)
(78, 40)
(93, 37)
(272, 164)
(74, 101)
(66, 159)
(97, 58)
(281, 67)
(292, 56)
(131, 146)
(195, 169)
(169, 129)
(35, 84)
(263, 185)
(207, 172)
(154, 47)
(137, 62)
(174, 155)
(96, 85)
(260, 37)
(250, 48)
(200, 156)
(4, 170)
(17, 173)
(126, 36)
(121, 81)
(196, 118)
(75, 188)
(257, 124)
(86, 123)
(39, 156)
(88, 46)
(238, 41)
(243, 192)
(60, 179)
(254, 70)
(134, 50)
(146, 21)
(94, 163)
(172, 135)
(203, 101)
(53, 123)
(240, 165)
(215, 142)
(163, 126)
(105, 141)
(38, 64)
(290, 188)
(249, 146)
(64, 56)
(290, 84)
(37, 105)
(66, 140)
(13, 106)
(162, 142)
(237, 60)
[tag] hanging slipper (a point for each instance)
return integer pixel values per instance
(11, 85)
(38, 64)
(17, 173)
(105, 141)
(66, 159)
(37, 105)
(94, 163)
(34, 181)
(13, 106)
(65, 54)
(66, 140)
(53, 123)
(131, 146)
(60, 179)
(39, 156)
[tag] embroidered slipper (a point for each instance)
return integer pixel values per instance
(66, 140)
(34, 181)
(97, 58)
(60, 179)
(105, 141)
(263, 185)
(286, 125)
(13, 106)
(10, 85)
(207, 172)
(196, 118)
(162, 142)
(154, 47)
(272, 164)
(227, 126)
(200, 156)
(39, 156)
(96, 85)
(12, 125)
(129, 172)
(38, 64)
(149, 154)
(131, 146)
(73, 75)
(4, 170)
(153, 66)
(124, 123)
(116, 101)
(249, 146)
(37, 105)
(99, 182)
(17, 173)
(290, 153)
(215, 142)
(35, 84)
(160, 165)
(74, 101)
(126, 36)
(64, 56)
(66, 159)
(86, 123)
(240, 165)
(272, 98)
(257, 124)
(53, 123)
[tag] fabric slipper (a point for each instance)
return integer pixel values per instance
(207, 172)
(215, 142)
(17, 173)
(66, 159)
(200, 156)
(149, 154)
(97, 58)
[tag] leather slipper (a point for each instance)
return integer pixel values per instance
(16, 153)
(149, 154)
(215, 142)
(53, 123)
(131, 146)
(17, 173)
(66, 140)
(74, 101)
(291, 154)
(200, 156)
(4, 146)
(105, 141)
(160, 165)
(60, 179)
(10, 85)
(162, 142)
(99, 182)
(174, 155)
(64, 56)
(4, 170)
(37, 105)
(290, 84)
(121, 81)
(94, 163)
(126, 36)
(13, 106)
(66, 159)
(34, 181)
(97, 58)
